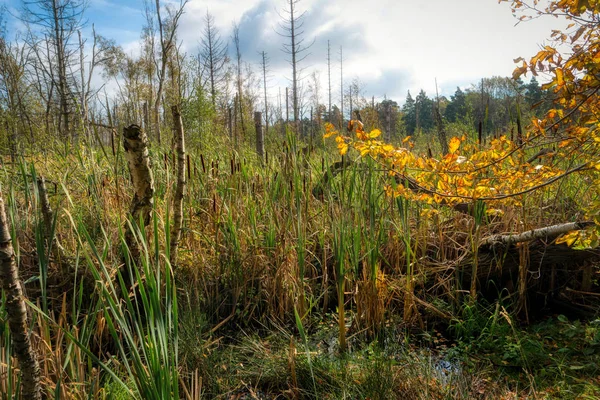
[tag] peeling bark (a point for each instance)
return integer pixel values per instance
(547, 232)
(135, 143)
(17, 314)
(179, 139)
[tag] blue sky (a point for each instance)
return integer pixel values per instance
(391, 46)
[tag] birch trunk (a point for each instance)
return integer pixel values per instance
(17, 314)
(179, 139)
(135, 143)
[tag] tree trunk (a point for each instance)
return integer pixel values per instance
(260, 138)
(17, 314)
(135, 143)
(62, 73)
(179, 139)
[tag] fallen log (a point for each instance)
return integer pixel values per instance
(540, 233)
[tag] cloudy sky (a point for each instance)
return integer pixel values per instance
(391, 46)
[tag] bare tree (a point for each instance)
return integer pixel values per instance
(239, 76)
(167, 29)
(56, 22)
(13, 89)
(296, 48)
(314, 88)
(264, 67)
(329, 79)
(214, 56)
(342, 85)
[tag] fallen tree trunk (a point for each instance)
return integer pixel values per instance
(540, 233)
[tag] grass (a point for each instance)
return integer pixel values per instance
(276, 292)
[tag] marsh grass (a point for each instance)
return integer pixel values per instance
(259, 253)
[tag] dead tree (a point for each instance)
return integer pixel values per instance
(260, 137)
(296, 48)
(17, 314)
(135, 143)
(329, 80)
(167, 42)
(440, 124)
(179, 142)
(214, 57)
(58, 20)
(239, 78)
(265, 66)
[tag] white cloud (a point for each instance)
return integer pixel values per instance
(456, 42)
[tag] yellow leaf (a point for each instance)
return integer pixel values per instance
(374, 133)
(453, 145)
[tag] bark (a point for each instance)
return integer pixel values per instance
(64, 125)
(260, 138)
(541, 233)
(179, 140)
(48, 215)
(135, 143)
(294, 51)
(264, 68)
(17, 314)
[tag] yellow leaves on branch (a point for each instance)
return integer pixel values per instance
(453, 145)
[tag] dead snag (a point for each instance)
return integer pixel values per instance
(17, 314)
(179, 143)
(135, 143)
(52, 241)
(260, 138)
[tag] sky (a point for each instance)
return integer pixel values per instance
(390, 46)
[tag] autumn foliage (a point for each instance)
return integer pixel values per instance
(564, 141)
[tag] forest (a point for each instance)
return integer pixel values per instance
(173, 226)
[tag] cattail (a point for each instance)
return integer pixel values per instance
(203, 166)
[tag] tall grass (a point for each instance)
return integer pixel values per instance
(258, 250)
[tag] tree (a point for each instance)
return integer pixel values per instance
(388, 114)
(214, 56)
(57, 21)
(293, 30)
(424, 111)
(329, 80)
(239, 76)
(17, 313)
(409, 111)
(457, 109)
(533, 92)
(264, 68)
(13, 89)
(166, 29)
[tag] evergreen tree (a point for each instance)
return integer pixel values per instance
(457, 108)
(410, 115)
(533, 92)
(424, 111)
